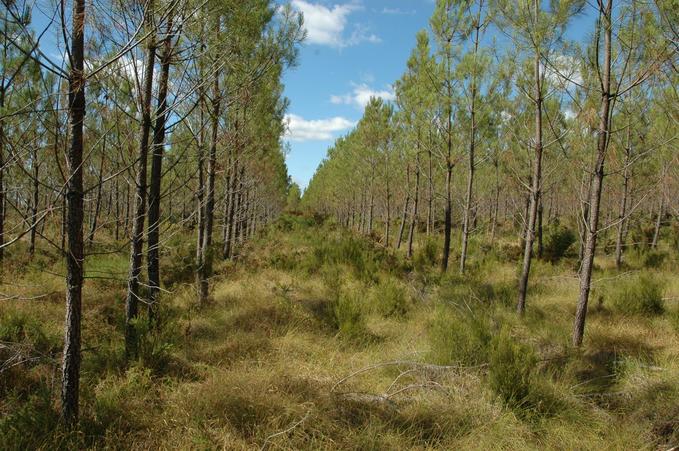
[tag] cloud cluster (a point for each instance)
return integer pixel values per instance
(326, 25)
(300, 129)
(360, 96)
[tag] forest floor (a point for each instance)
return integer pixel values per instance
(318, 339)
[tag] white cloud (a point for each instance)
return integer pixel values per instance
(398, 11)
(360, 96)
(326, 25)
(563, 71)
(300, 129)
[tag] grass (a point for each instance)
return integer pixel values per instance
(345, 345)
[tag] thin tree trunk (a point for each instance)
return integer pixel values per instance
(430, 197)
(592, 231)
(388, 225)
(153, 257)
(447, 226)
(405, 209)
(413, 219)
(472, 148)
(496, 203)
(540, 235)
(658, 222)
(2, 173)
(117, 209)
(619, 242)
(536, 186)
(97, 207)
(34, 204)
(137, 239)
(70, 374)
(206, 268)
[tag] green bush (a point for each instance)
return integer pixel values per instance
(390, 298)
(512, 365)
(638, 295)
(347, 249)
(348, 316)
(20, 328)
(557, 243)
(654, 259)
(32, 424)
(460, 336)
(426, 255)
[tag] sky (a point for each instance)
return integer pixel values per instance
(354, 49)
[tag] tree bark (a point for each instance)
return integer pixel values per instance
(70, 375)
(413, 219)
(591, 232)
(472, 149)
(153, 257)
(619, 242)
(658, 222)
(206, 267)
(36, 199)
(405, 209)
(137, 239)
(536, 186)
(97, 207)
(447, 226)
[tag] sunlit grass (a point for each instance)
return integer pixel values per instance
(269, 354)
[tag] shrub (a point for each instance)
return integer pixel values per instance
(426, 255)
(31, 424)
(390, 299)
(348, 316)
(654, 259)
(22, 329)
(511, 371)
(638, 295)
(558, 241)
(460, 337)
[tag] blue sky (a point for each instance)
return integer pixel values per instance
(354, 49)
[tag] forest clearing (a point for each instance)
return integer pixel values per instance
(204, 244)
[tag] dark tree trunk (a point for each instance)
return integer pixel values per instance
(619, 242)
(153, 257)
(117, 209)
(592, 231)
(413, 219)
(137, 241)
(405, 209)
(658, 222)
(472, 149)
(206, 267)
(97, 206)
(541, 247)
(535, 191)
(2, 176)
(496, 202)
(36, 199)
(70, 375)
(447, 226)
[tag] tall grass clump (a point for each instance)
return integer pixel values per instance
(641, 294)
(426, 255)
(390, 298)
(512, 365)
(458, 336)
(348, 316)
(513, 375)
